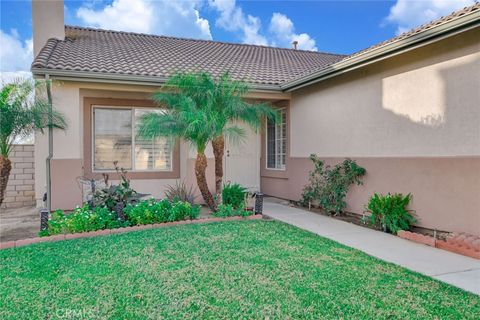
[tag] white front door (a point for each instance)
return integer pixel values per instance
(242, 160)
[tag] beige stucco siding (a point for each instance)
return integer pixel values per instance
(422, 103)
(68, 98)
(446, 190)
(413, 121)
(69, 156)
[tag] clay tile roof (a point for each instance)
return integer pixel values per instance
(115, 52)
(109, 52)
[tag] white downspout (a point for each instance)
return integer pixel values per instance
(50, 144)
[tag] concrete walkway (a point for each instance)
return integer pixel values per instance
(457, 270)
(19, 223)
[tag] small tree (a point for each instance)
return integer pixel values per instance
(20, 115)
(228, 101)
(186, 117)
(201, 110)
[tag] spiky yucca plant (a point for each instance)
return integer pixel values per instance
(21, 114)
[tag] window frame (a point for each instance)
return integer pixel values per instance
(120, 100)
(133, 143)
(285, 151)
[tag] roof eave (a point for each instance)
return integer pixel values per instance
(84, 76)
(434, 34)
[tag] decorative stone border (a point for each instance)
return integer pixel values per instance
(461, 243)
(60, 237)
(417, 237)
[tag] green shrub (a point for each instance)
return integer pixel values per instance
(234, 194)
(182, 210)
(82, 219)
(390, 212)
(152, 211)
(116, 197)
(329, 186)
(227, 210)
(148, 211)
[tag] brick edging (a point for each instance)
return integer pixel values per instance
(417, 237)
(60, 237)
(461, 244)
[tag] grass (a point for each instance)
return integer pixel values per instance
(241, 269)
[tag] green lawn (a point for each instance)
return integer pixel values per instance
(240, 269)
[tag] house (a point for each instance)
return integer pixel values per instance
(407, 109)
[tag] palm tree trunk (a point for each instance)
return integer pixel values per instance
(200, 169)
(218, 145)
(5, 168)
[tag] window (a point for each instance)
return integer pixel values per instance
(277, 142)
(115, 138)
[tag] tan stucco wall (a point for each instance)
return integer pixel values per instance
(67, 163)
(68, 97)
(446, 190)
(422, 103)
(413, 121)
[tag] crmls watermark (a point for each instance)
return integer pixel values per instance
(85, 313)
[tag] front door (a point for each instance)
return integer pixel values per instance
(242, 161)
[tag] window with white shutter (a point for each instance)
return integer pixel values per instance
(276, 135)
(115, 138)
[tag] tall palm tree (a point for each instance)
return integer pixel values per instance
(20, 115)
(194, 111)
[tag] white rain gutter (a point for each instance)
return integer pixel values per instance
(50, 144)
(85, 76)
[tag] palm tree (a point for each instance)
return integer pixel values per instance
(20, 115)
(184, 118)
(194, 111)
(230, 107)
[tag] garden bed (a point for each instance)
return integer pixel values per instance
(433, 238)
(357, 220)
(344, 216)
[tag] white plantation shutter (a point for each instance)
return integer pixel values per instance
(277, 142)
(112, 138)
(151, 154)
(115, 139)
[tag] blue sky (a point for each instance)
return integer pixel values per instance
(328, 26)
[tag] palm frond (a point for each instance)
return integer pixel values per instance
(202, 108)
(234, 134)
(24, 108)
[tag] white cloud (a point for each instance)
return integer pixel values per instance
(283, 30)
(174, 18)
(408, 14)
(232, 18)
(280, 33)
(15, 55)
